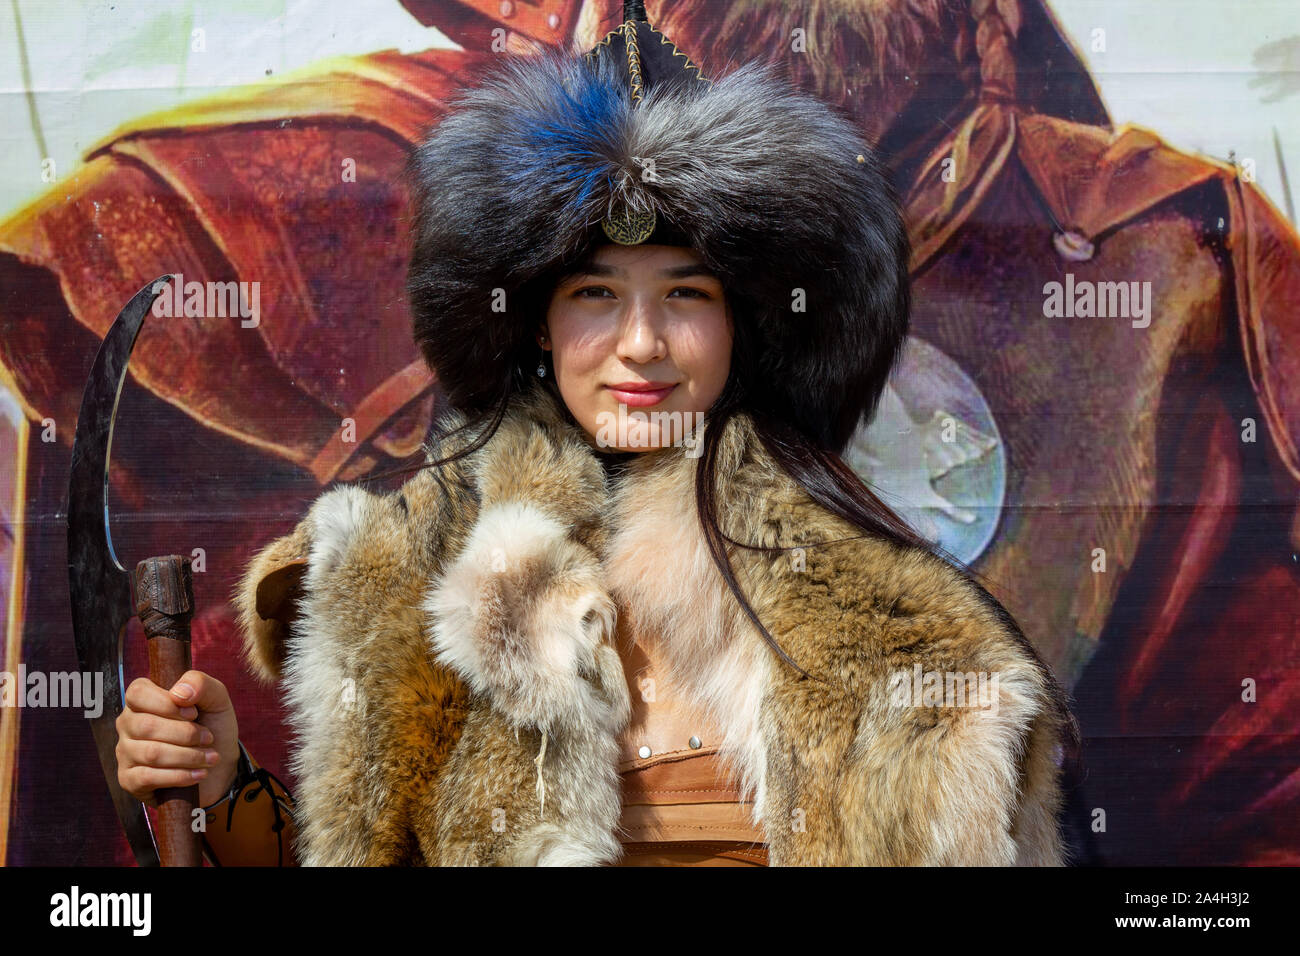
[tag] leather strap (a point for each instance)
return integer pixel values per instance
(686, 799)
(701, 853)
(682, 805)
(252, 825)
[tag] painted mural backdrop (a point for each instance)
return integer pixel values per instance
(1099, 407)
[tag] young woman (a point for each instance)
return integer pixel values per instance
(634, 608)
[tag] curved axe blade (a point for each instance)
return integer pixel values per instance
(101, 588)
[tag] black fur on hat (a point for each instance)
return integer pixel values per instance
(774, 189)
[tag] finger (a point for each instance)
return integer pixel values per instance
(143, 781)
(163, 756)
(185, 733)
(146, 697)
(197, 689)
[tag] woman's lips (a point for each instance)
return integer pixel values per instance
(641, 398)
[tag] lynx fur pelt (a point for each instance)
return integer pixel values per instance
(456, 695)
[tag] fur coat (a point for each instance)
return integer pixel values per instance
(456, 695)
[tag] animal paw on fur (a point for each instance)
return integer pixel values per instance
(521, 615)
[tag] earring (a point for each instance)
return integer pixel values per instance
(541, 361)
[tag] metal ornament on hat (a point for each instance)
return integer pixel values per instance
(624, 225)
(627, 227)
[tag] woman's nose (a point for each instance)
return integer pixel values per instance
(640, 337)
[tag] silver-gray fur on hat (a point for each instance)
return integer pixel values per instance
(776, 191)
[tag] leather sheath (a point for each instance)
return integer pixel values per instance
(681, 804)
(254, 827)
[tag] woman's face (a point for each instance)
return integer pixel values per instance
(639, 316)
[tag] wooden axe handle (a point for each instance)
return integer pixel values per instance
(164, 602)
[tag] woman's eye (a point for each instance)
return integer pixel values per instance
(600, 292)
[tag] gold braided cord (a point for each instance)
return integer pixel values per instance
(633, 58)
(605, 41)
(623, 29)
(699, 74)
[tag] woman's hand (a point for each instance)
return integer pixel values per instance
(177, 737)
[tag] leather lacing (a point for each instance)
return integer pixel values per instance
(263, 778)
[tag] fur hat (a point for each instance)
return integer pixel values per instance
(553, 154)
